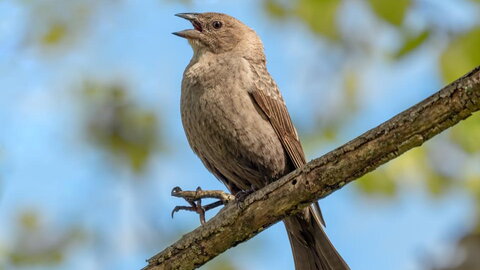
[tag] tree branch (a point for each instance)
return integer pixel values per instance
(240, 221)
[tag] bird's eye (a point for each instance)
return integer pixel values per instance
(217, 24)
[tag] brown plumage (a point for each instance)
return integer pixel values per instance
(236, 121)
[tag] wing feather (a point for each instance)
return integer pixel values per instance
(267, 96)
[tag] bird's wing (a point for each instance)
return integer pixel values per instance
(267, 96)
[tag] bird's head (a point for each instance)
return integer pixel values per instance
(219, 33)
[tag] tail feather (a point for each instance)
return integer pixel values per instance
(312, 250)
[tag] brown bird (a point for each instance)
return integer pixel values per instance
(237, 123)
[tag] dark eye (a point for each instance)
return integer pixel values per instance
(217, 24)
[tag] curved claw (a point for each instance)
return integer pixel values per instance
(198, 208)
(194, 199)
(178, 208)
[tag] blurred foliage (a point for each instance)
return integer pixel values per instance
(472, 184)
(55, 22)
(462, 55)
(467, 134)
(411, 43)
(275, 9)
(384, 180)
(328, 126)
(391, 11)
(54, 34)
(220, 264)
(378, 183)
(37, 243)
(117, 124)
(319, 16)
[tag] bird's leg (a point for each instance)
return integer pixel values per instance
(194, 198)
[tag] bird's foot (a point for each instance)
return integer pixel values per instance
(194, 198)
(241, 195)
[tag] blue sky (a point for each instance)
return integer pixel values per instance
(46, 163)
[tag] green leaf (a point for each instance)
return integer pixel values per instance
(127, 131)
(472, 184)
(275, 9)
(377, 182)
(320, 16)
(221, 264)
(437, 184)
(467, 134)
(462, 55)
(55, 34)
(350, 86)
(392, 11)
(412, 43)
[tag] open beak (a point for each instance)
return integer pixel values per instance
(197, 26)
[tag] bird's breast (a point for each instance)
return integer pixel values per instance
(222, 122)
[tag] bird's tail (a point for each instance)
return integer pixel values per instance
(310, 245)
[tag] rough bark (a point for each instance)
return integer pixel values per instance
(240, 221)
